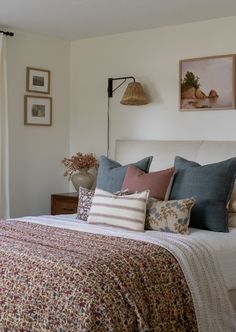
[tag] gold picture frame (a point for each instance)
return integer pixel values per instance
(207, 83)
(37, 110)
(38, 80)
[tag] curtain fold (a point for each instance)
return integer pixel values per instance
(4, 141)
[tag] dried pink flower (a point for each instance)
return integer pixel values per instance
(78, 162)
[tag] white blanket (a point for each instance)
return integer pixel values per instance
(213, 309)
(224, 248)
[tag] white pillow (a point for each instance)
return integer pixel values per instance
(128, 211)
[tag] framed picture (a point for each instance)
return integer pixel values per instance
(37, 80)
(207, 83)
(38, 111)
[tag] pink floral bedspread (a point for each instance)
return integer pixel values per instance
(54, 279)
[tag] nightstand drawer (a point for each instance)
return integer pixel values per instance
(63, 207)
(64, 203)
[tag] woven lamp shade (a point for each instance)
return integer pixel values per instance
(134, 95)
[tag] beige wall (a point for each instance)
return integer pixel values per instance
(152, 56)
(36, 152)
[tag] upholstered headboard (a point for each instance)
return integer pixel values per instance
(164, 152)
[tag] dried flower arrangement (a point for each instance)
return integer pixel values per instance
(79, 162)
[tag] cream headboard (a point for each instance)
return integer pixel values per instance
(164, 152)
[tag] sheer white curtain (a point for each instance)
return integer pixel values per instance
(4, 146)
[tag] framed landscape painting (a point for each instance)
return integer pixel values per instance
(37, 80)
(207, 83)
(38, 111)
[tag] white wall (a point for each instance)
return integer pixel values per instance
(152, 56)
(35, 151)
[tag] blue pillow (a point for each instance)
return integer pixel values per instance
(111, 173)
(212, 187)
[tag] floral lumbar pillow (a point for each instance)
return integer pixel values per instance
(169, 216)
(84, 203)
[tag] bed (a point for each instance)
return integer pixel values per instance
(203, 152)
(62, 274)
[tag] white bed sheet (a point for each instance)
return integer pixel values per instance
(222, 244)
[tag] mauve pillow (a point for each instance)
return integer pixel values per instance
(111, 173)
(156, 182)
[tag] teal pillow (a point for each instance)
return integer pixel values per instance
(212, 187)
(111, 173)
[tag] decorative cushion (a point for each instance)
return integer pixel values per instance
(232, 219)
(84, 203)
(157, 182)
(111, 174)
(232, 202)
(128, 211)
(169, 216)
(211, 185)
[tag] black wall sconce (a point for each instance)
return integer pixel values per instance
(134, 95)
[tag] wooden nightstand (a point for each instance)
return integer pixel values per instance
(64, 203)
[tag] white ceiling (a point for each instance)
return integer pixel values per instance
(76, 19)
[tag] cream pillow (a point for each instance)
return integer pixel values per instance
(127, 211)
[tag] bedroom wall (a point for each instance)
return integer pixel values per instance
(36, 151)
(152, 56)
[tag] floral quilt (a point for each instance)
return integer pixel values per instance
(54, 279)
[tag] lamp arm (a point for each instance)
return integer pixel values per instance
(110, 89)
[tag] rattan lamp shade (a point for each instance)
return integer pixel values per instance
(134, 95)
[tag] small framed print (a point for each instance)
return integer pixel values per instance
(37, 80)
(38, 111)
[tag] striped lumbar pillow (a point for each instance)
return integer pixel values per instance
(128, 211)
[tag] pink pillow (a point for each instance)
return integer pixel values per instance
(157, 182)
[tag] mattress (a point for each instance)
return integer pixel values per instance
(223, 244)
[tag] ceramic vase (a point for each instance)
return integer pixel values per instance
(82, 179)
